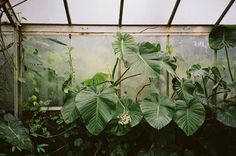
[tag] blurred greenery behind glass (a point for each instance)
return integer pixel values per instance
(46, 62)
(6, 73)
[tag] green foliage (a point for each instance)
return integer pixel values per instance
(226, 114)
(69, 110)
(184, 88)
(95, 121)
(189, 115)
(222, 36)
(123, 45)
(132, 108)
(128, 114)
(96, 107)
(13, 132)
(97, 79)
(158, 110)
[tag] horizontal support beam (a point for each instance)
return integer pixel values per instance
(90, 30)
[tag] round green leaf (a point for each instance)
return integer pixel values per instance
(184, 88)
(189, 116)
(227, 115)
(96, 107)
(222, 36)
(157, 110)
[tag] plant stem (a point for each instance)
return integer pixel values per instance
(118, 80)
(114, 69)
(216, 93)
(227, 56)
(136, 99)
(127, 78)
(205, 89)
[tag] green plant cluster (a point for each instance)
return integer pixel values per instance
(97, 119)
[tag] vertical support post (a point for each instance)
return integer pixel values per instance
(167, 73)
(17, 73)
(214, 98)
(16, 70)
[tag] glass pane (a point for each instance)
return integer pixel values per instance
(199, 11)
(223, 66)
(46, 65)
(191, 50)
(6, 72)
(94, 11)
(147, 11)
(230, 17)
(4, 19)
(41, 11)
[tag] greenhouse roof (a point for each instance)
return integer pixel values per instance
(121, 12)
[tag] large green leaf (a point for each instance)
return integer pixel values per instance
(197, 71)
(184, 88)
(96, 79)
(123, 44)
(166, 62)
(143, 60)
(189, 116)
(69, 110)
(222, 36)
(13, 132)
(96, 107)
(158, 110)
(227, 115)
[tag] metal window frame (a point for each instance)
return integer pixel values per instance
(14, 21)
(225, 12)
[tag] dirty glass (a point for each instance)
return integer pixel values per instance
(46, 62)
(6, 72)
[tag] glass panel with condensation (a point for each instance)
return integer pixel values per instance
(94, 11)
(41, 11)
(7, 71)
(230, 17)
(4, 18)
(199, 11)
(147, 11)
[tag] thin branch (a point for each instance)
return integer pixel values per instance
(227, 56)
(217, 93)
(116, 82)
(136, 99)
(114, 69)
(126, 78)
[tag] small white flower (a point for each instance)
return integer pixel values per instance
(124, 118)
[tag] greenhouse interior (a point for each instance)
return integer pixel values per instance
(118, 77)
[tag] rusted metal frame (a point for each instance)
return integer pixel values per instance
(173, 12)
(7, 8)
(121, 12)
(67, 12)
(224, 12)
